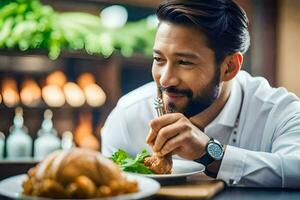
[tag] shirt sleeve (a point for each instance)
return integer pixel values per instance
(113, 133)
(278, 168)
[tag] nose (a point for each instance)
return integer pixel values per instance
(169, 77)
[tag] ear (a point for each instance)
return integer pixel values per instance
(231, 66)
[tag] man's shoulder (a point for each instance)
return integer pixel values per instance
(260, 89)
(138, 96)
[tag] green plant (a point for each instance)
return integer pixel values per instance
(28, 24)
(130, 164)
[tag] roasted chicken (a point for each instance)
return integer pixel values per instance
(77, 174)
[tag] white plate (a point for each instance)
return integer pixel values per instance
(181, 168)
(12, 188)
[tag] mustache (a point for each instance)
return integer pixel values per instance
(172, 89)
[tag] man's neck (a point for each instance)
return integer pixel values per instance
(202, 119)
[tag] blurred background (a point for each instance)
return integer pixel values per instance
(64, 63)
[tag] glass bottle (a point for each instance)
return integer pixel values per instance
(67, 141)
(19, 143)
(2, 141)
(47, 140)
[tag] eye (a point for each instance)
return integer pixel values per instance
(157, 59)
(185, 62)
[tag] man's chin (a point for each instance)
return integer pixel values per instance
(174, 108)
(176, 104)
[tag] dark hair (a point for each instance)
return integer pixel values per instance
(223, 22)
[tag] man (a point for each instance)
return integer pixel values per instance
(245, 132)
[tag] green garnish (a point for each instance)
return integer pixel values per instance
(130, 164)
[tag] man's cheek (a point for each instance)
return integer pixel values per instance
(155, 75)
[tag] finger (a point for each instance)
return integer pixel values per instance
(151, 137)
(174, 152)
(158, 123)
(149, 140)
(168, 132)
(173, 144)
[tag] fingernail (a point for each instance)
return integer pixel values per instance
(150, 144)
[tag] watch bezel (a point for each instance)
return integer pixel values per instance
(212, 154)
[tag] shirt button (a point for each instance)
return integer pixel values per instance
(234, 132)
(234, 140)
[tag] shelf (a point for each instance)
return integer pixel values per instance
(136, 61)
(44, 106)
(44, 53)
(136, 3)
(19, 161)
(72, 54)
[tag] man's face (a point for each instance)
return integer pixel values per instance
(184, 69)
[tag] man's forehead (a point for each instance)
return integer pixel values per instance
(186, 38)
(183, 32)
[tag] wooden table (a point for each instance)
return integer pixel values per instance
(238, 193)
(10, 168)
(258, 194)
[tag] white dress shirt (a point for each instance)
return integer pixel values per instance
(263, 148)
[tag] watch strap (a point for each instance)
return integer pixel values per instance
(205, 160)
(210, 174)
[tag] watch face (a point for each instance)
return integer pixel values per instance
(215, 151)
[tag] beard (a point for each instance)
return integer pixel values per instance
(198, 102)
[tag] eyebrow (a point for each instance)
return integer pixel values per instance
(180, 54)
(186, 54)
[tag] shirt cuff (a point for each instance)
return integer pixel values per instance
(231, 169)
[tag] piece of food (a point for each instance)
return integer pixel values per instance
(94, 94)
(85, 79)
(159, 165)
(74, 95)
(30, 92)
(53, 96)
(56, 78)
(143, 163)
(77, 173)
(10, 92)
(52, 92)
(129, 164)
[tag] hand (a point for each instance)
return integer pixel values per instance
(173, 133)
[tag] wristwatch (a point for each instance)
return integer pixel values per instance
(214, 151)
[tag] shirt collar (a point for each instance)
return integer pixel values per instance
(230, 112)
